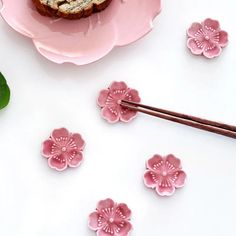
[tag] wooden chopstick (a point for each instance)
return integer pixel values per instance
(196, 122)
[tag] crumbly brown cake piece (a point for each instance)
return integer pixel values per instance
(70, 9)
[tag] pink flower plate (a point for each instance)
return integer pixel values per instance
(111, 219)
(164, 174)
(86, 40)
(207, 38)
(63, 149)
(109, 100)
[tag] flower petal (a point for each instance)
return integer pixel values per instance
(122, 212)
(132, 95)
(151, 179)
(172, 163)
(76, 142)
(111, 113)
(195, 30)
(102, 98)
(96, 221)
(165, 187)
(155, 163)
(126, 114)
(118, 86)
(118, 90)
(223, 38)
(57, 162)
(74, 158)
(212, 51)
(195, 46)
(211, 25)
(122, 228)
(107, 230)
(60, 135)
(49, 148)
(178, 178)
(107, 203)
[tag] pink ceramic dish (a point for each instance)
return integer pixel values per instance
(86, 40)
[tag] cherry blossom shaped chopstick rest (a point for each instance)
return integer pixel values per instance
(63, 149)
(164, 174)
(110, 219)
(109, 100)
(207, 38)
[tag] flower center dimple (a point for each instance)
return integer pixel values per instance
(207, 37)
(63, 149)
(164, 173)
(111, 220)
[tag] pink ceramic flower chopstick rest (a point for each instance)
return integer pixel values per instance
(110, 219)
(207, 38)
(164, 174)
(109, 100)
(63, 149)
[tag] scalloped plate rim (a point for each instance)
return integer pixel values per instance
(114, 45)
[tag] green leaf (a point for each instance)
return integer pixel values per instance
(4, 92)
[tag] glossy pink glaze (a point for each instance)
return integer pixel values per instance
(63, 149)
(164, 174)
(206, 38)
(109, 100)
(111, 219)
(86, 40)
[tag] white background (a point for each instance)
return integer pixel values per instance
(38, 201)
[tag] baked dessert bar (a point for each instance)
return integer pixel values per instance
(70, 9)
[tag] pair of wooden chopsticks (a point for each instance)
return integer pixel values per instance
(196, 122)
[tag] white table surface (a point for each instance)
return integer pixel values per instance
(38, 201)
